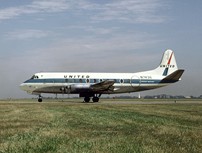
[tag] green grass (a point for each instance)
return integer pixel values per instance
(28, 126)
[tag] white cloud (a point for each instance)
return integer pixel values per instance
(27, 34)
(134, 11)
(37, 6)
(49, 5)
(94, 29)
(8, 13)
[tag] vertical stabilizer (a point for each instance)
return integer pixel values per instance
(168, 64)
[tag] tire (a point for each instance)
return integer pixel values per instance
(87, 99)
(40, 100)
(95, 99)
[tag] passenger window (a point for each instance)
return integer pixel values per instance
(71, 81)
(87, 80)
(121, 81)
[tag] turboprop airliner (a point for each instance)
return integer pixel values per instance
(93, 85)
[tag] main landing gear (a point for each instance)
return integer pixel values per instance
(94, 99)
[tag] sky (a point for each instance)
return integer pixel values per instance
(99, 36)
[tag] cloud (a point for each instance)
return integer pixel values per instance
(133, 11)
(37, 6)
(49, 5)
(9, 13)
(27, 34)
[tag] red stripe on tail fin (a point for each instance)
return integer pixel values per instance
(170, 58)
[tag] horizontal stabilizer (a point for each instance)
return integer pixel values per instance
(175, 76)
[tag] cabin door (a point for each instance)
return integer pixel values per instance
(135, 81)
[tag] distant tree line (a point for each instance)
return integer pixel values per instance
(161, 96)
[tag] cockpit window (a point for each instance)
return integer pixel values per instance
(34, 77)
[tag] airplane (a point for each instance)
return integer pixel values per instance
(94, 85)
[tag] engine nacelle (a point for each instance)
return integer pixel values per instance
(80, 88)
(66, 89)
(76, 88)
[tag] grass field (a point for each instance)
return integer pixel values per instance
(28, 126)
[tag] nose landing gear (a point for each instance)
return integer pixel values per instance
(86, 99)
(40, 99)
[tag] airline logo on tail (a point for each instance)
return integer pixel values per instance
(168, 66)
(170, 58)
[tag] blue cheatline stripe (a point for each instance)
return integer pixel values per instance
(125, 81)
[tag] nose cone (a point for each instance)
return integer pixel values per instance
(23, 86)
(27, 87)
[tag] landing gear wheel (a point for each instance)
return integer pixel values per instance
(40, 99)
(95, 99)
(86, 99)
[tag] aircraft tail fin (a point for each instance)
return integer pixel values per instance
(168, 64)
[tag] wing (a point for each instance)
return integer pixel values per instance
(103, 86)
(106, 85)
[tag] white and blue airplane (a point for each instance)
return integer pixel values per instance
(93, 85)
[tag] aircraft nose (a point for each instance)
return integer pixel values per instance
(27, 87)
(23, 86)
